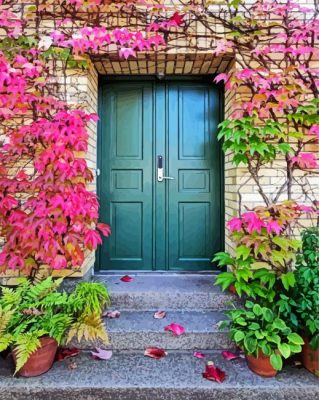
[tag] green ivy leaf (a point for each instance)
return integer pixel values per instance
(288, 280)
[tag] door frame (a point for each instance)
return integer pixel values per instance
(104, 80)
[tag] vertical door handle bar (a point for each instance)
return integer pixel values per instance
(160, 170)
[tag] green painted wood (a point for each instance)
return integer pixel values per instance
(194, 206)
(126, 181)
(175, 224)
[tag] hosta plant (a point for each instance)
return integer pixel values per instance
(260, 331)
(30, 312)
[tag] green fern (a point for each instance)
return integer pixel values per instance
(5, 316)
(92, 298)
(31, 311)
(88, 327)
(25, 345)
(5, 341)
(10, 297)
(42, 289)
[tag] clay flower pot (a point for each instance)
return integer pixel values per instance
(41, 360)
(261, 365)
(310, 357)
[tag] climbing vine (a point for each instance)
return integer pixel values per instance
(48, 215)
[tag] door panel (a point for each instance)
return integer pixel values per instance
(126, 185)
(174, 224)
(194, 226)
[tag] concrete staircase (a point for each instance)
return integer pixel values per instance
(189, 300)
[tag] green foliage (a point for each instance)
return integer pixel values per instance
(259, 329)
(304, 302)
(29, 312)
(307, 114)
(247, 138)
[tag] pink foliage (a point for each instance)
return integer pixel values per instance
(305, 160)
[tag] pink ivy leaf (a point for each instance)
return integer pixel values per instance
(176, 329)
(126, 278)
(127, 52)
(155, 352)
(111, 314)
(160, 315)
(305, 160)
(229, 355)
(104, 228)
(101, 354)
(199, 354)
(213, 373)
(235, 224)
(221, 77)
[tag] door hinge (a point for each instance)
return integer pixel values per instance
(97, 172)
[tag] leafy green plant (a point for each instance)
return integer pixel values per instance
(305, 296)
(258, 329)
(29, 312)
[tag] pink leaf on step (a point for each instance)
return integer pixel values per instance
(213, 373)
(176, 329)
(160, 315)
(199, 354)
(101, 354)
(126, 278)
(229, 355)
(155, 352)
(111, 314)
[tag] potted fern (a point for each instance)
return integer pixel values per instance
(36, 318)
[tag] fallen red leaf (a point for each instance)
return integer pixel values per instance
(111, 314)
(63, 353)
(101, 354)
(126, 278)
(213, 373)
(199, 354)
(155, 352)
(229, 355)
(176, 329)
(160, 315)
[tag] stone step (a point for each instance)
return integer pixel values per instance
(131, 375)
(166, 291)
(136, 330)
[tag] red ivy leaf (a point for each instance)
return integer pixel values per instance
(126, 278)
(63, 353)
(213, 373)
(155, 352)
(199, 354)
(160, 315)
(176, 329)
(229, 355)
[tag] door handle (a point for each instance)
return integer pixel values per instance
(160, 170)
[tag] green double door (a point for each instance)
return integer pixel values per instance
(150, 130)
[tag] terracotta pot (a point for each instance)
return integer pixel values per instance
(41, 360)
(261, 365)
(310, 357)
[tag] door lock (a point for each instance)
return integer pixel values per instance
(160, 170)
